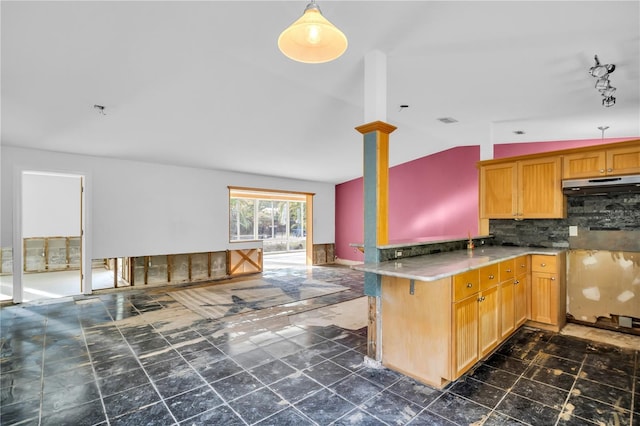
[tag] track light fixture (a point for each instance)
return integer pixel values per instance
(601, 72)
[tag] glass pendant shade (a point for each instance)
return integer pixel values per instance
(312, 39)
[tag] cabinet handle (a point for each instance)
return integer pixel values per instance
(481, 299)
(469, 285)
(491, 277)
(516, 282)
(609, 170)
(543, 265)
(523, 265)
(601, 170)
(553, 278)
(508, 270)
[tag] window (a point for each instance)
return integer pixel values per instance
(277, 219)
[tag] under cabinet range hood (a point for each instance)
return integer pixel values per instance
(602, 186)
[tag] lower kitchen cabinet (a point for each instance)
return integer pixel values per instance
(521, 290)
(507, 308)
(435, 331)
(520, 299)
(488, 309)
(548, 291)
(476, 319)
(465, 335)
(488, 320)
(507, 300)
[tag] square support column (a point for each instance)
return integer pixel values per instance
(376, 221)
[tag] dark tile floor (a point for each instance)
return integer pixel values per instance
(135, 358)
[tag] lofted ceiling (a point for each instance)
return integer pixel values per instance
(203, 84)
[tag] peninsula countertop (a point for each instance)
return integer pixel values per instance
(433, 267)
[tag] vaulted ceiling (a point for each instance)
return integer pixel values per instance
(203, 84)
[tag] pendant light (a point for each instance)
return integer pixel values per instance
(312, 39)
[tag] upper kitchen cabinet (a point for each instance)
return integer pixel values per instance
(498, 198)
(622, 160)
(523, 189)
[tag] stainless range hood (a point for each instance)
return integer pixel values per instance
(602, 186)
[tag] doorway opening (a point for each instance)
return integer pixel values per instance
(281, 220)
(52, 236)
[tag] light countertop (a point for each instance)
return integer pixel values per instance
(432, 267)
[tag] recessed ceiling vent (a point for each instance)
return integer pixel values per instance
(447, 120)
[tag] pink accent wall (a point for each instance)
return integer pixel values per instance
(514, 149)
(432, 196)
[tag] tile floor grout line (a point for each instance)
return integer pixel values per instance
(44, 347)
(93, 368)
(510, 389)
(566, 401)
(224, 402)
(141, 366)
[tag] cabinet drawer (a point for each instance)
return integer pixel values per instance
(489, 276)
(542, 263)
(507, 270)
(465, 284)
(522, 265)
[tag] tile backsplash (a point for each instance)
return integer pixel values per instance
(593, 212)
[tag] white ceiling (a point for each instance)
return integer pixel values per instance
(203, 84)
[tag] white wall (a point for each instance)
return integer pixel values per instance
(138, 208)
(50, 205)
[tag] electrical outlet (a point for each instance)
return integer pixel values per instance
(398, 253)
(573, 231)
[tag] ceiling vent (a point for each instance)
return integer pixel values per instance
(447, 120)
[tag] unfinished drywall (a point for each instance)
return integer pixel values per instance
(603, 283)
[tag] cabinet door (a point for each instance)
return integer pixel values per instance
(465, 335)
(507, 308)
(544, 297)
(540, 189)
(623, 161)
(520, 285)
(584, 165)
(498, 191)
(488, 320)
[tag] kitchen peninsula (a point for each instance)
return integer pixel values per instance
(441, 313)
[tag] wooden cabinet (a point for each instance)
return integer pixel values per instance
(464, 327)
(540, 189)
(548, 290)
(476, 315)
(584, 164)
(602, 162)
(525, 189)
(488, 309)
(436, 331)
(488, 320)
(623, 161)
(507, 300)
(521, 290)
(416, 328)
(498, 198)
(464, 335)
